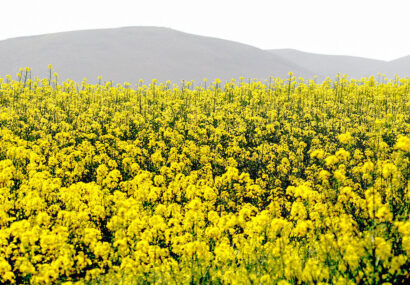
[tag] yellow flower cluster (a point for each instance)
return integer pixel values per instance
(279, 182)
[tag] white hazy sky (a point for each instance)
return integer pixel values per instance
(369, 28)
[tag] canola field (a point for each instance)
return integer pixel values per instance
(284, 181)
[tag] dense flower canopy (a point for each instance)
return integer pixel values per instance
(275, 182)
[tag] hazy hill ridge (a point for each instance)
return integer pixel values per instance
(355, 67)
(127, 54)
(131, 53)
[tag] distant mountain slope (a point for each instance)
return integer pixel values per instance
(128, 54)
(355, 67)
(400, 66)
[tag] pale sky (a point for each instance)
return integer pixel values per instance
(368, 28)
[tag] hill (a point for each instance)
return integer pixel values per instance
(355, 67)
(131, 53)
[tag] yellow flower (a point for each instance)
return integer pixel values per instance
(389, 169)
(403, 143)
(331, 160)
(346, 138)
(246, 182)
(319, 154)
